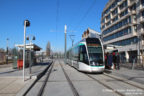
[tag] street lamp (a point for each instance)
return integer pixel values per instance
(139, 41)
(30, 38)
(72, 39)
(26, 24)
(65, 31)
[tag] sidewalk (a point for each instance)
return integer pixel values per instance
(132, 65)
(133, 75)
(11, 80)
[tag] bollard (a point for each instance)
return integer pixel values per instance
(133, 64)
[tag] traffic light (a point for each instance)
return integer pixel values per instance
(27, 38)
(27, 23)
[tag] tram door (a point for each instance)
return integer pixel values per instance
(83, 55)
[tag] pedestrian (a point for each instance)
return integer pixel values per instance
(117, 61)
(114, 59)
(106, 60)
(110, 60)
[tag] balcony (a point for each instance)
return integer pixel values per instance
(134, 21)
(113, 16)
(133, 11)
(142, 42)
(142, 19)
(131, 3)
(141, 7)
(119, 3)
(142, 30)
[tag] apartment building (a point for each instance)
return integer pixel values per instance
(122, 24)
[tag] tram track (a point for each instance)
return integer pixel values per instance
(118, 79)
(105, 85)
(75, 92)
(123, 81)
(41, 91)
(48, 69)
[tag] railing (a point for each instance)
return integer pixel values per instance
(132, 63)
(142, 19)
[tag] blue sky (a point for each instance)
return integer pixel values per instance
(48, 18)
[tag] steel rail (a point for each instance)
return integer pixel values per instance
(75, 92)
(40, 93)
(124, 81)
(105, 85)
(38, 78)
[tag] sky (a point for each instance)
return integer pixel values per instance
(47, 19)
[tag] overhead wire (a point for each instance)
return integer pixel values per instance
(85, 15)
(57, 15)
(57, 19)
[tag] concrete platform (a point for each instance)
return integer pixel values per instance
(11, 80)
(133, 75)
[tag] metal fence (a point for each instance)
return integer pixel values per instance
(132, 63)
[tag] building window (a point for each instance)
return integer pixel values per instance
(123, 32)
(135, 28)
(103, 21)
(103, 26)
(143, 25)
(115, 19)
(118, 25)
(115, 12)
(126, 42)
(123, 5)
(134, 17)
(133, 7)
(124, 13)
(142, 2)
(142, 14)
(108, 17)
(107, 24)
(129, 30)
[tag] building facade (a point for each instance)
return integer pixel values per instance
(122, 24)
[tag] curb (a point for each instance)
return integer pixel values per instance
(32, 82)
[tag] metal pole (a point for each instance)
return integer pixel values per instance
(65, 42)
(139, 48)
(139, 40)
(133, 64)
(7, 52)
(72, 39)
(72, 42)
(24, 51)
(30, 58)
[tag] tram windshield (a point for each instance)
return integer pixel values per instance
(95, 53)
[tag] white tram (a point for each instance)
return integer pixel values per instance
(87, 55)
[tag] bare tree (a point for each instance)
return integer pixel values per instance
(48, 49)
(2, 50)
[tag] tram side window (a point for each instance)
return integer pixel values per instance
(67, 55)
(75, 54)
(83, 55)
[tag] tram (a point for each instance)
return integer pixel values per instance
(87, 55)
